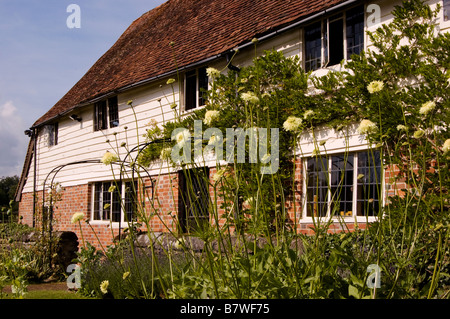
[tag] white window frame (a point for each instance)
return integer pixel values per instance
(108, 115)
(354, 217)
(197, 91)
(102, 221)
(325, 25)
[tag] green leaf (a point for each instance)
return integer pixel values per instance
(353, 291)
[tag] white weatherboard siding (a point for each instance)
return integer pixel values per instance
(77, 141)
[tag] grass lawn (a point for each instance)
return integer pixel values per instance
(53, 294)
(47, 291)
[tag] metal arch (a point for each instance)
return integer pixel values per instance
(140, 148)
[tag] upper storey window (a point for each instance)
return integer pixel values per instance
(195, 85)
(106, 114)
(331, 40)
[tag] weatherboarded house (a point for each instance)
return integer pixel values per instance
(67, 141)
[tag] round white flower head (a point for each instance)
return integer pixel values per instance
(77, 217)
(375, 86)
(367, 127)
(165, 153)
(427, 107)
(181, 137)
(401, 127)
(109, 158)
(212, 72)
(250, 97)
(308, 113)
(210, 116)
(218, 175)
(104, 286)
(214, 140)
(292, 124)
(446, 146)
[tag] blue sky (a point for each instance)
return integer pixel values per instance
(41, 59)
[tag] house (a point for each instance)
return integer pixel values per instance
(179, 39)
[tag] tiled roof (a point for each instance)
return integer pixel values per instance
(199, 29)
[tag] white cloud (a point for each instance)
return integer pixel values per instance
(13, 142)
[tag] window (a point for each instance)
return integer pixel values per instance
(331, 182)
(193, 199)
(114, 201)
(331, 40)
(52, 131)
(196, 83)
(103, 110)
(446, 5)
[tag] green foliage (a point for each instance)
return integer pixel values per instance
(401, 88)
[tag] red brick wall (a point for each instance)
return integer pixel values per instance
(162, 212)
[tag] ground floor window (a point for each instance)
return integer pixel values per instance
(114, 201)
(193, 199)
(347, 184)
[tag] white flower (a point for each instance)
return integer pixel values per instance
(165, 153)
(446, 146)
(248, 202)
(170, 81)
(218, 175)
(250, 97)
(214, 140)
(292, 124)
(212, 72)
(179, 244)
(77, 217)
(210, 116)
(427, 107)
(367, 127)
(104, 286)
(181, 137)
(109, 158)
(375, 86)
(308, 113)
(59, 189)
(401, 127)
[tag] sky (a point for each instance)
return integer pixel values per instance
(43, 54)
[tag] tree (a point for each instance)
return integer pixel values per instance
(8, 186)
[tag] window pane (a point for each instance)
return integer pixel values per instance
(313, 46)
(116, 205)
(52, 131)
(369, 183)
(130, 201)
(193, 199)
(191, 90)
(113, 112)
(341, 184)
(317, 187)
(203, 86)
(446, 10)
(106, 199)
(336, 42)
(355, 31)
(100, 122)
(97, 203)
